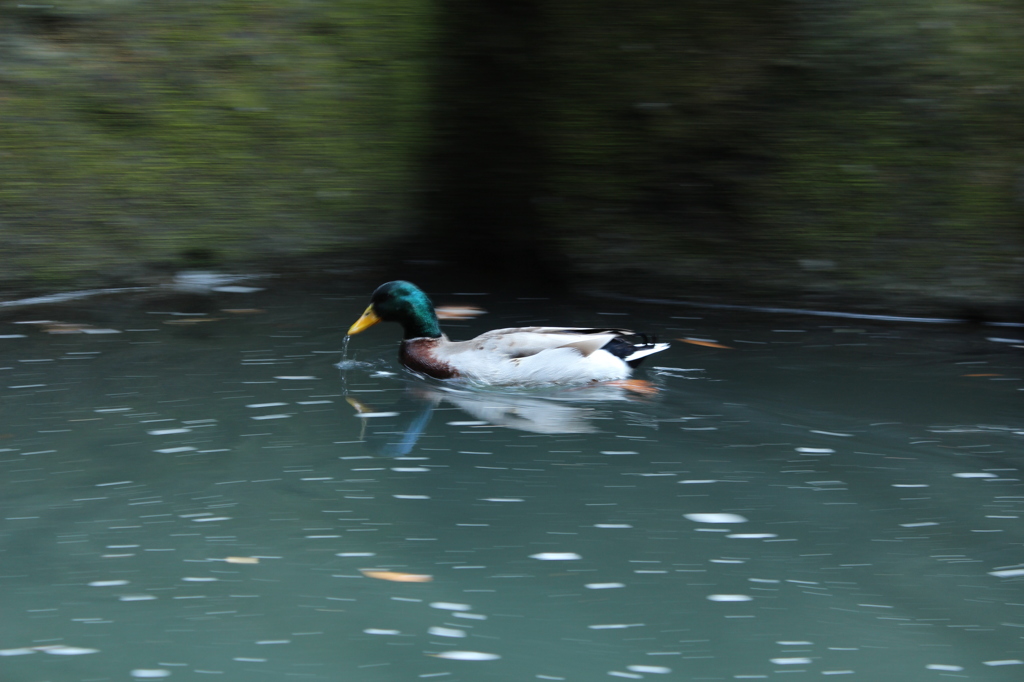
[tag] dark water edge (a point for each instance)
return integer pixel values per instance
(775, 286)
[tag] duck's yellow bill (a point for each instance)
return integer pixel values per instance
(365, 321)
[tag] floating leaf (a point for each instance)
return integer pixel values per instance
(702, 342)
(396, 576)
(638, 386)
(458, 312)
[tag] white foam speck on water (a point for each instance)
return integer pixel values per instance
(556, 556)
(378, 631)
(107, 583)
(833, 433)
(1010, 572)
(410, 469)
(629, 676)
(212, 518)
(469, 616)
(351, 554)
(656, 669)
(603, 586)
(165, 432)
(619, 452)
(200, 580)
(449, 606)
(264, 417)
(1008, 661)
(716, 518)
(918, 525)
(237, 289)
(616, 626)
(136, 597)
(144, 673)
(62, 650)
(501, 499)
(446, 632)
(974, 474)
(751, 536)
(467, 656)
(700, 480)
(909, 485)
(373, 415)
(943, 666)
(468, 423)
(256, 405)
(352, 364)
(22, 651)
(296, 378)
(168, 451)
(791, 661)
(612, 525)
(411, 497)
(729, 597)
(815, 451)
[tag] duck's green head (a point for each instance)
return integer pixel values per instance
(404, 303)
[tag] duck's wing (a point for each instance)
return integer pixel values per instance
(520, 342)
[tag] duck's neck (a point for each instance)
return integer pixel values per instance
(423, 323)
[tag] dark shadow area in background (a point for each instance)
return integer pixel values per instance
(484, 167)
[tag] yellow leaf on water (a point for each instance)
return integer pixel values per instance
(359, 405)
(699, 342)
(396, 576)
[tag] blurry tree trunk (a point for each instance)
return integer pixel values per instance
(485, 165)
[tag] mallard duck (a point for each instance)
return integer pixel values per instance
(518, 356)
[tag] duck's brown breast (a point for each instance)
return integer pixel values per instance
(418, 355)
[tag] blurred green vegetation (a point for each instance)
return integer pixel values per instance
(854, 146)
(194, 132)
(857, 146)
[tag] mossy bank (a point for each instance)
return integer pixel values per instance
(807, 149)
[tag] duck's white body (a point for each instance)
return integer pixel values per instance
(527, 356)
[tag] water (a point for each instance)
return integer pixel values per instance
(192, 488)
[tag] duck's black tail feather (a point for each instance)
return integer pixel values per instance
(634, 353)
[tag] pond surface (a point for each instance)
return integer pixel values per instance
(192, 489)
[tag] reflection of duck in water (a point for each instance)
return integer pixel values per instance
(521, 356)
(395, 433)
